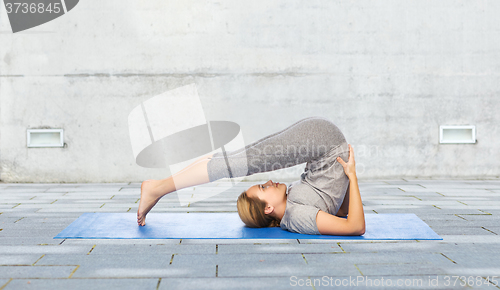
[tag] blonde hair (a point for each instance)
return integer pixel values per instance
(251, 211)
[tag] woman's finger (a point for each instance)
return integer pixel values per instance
(340, 161)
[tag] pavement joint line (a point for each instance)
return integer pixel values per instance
(440, 194)
(32, 197)
(62, 242)
(112, 196)
(436, 206)
(401, 189)
(91, 250)
(16, 205)
(461, 217)
(102, 205)
(489, 230)
(415, 197)
(73, 272)
(375, 211)
(421, 185)
(485, 212)
(172, 259)
(487, 279)
(448, 258)
(129, 209)
(216, 249)
(312, 284)
(358, 269)
(461, 202)
(158, 284)
(53, 201)
(180, 241)
(19, 219)
(338, 244)
(304, 258)
(216, 270)
(4, 285)
(38, 260)
(137, 200)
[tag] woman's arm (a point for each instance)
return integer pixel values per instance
(355, 223)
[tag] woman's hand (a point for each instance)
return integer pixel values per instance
(350, 166)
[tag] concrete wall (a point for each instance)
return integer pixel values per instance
(388, 73)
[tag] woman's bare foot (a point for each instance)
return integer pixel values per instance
(149, 198)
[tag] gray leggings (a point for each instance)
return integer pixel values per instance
(303, 141)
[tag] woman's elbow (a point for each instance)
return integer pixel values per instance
(359, 231)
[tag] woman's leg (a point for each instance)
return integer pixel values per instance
(301, 142)
(153, 190)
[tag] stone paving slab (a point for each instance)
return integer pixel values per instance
(419, 247)
(446, 230)
(21, 233)
(82, 284)
(36, 271)
(219, 283)
(278, 248)
(168, 249)
(474, 257)
(48, 249)
(30, 241)
(260, 264)
(129, 265)
(400, 269)
(19, 259)
(395, 257)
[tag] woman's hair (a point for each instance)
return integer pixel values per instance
(251, 211)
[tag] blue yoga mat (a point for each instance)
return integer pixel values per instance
(229, 226)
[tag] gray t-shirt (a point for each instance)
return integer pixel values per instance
(322, 186)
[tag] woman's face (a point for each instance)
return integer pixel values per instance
(270, 192)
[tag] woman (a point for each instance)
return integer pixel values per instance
(327, 189)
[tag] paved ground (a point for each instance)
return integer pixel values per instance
(466, 213)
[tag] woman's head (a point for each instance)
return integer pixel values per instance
(262, 205)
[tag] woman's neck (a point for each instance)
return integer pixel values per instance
(279, 210)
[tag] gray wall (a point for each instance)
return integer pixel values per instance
(388, 73)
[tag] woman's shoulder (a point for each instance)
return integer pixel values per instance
(300, 218)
